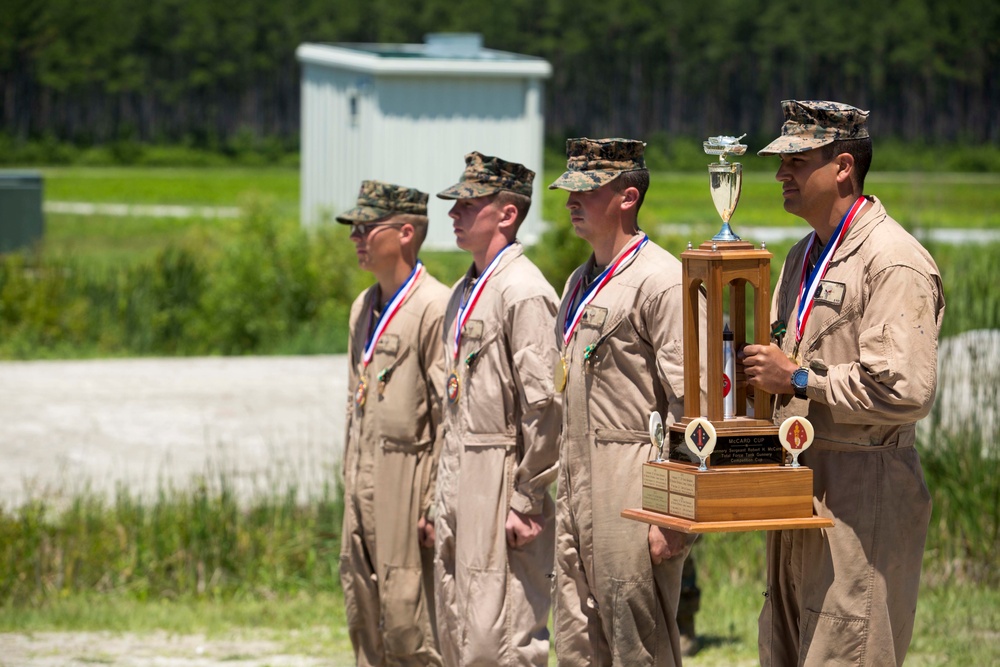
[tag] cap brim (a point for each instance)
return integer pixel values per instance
(584, 181)
(468, 190)
(363, 214)
(793, 144)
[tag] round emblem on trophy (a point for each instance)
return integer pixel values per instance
(656, 434)
(795, 435)
(700, 437)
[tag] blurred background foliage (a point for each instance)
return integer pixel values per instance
(261, 284)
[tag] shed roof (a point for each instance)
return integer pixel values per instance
(457, 55)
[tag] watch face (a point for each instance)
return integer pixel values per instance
(800, 378)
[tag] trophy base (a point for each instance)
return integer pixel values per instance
(742, 441)
(686, 526)
(760, 493)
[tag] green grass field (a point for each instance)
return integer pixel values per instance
(955, 625)
(917, 200)
(118, 285)
(135, 185)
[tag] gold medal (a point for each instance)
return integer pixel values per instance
(453, 387)
(559, 374)
(360, 393)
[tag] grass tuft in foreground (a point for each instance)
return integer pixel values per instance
(199, 543)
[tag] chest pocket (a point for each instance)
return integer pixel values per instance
(488, 399)
(400, 396)
(601, 350)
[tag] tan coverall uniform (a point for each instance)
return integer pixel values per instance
(500, 453)
(613, 606)
(390, 461)
(847, 595)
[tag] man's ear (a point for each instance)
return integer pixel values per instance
(407, 234)
(508, 215)
(630, 198)
(845, 167)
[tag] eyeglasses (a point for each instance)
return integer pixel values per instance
(363, 229)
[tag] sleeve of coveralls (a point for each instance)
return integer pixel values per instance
(530, 324)
(893, 382)
(348, 413)
(432, 362)
(352, 382)
(662, 316)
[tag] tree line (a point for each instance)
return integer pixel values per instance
(205, 71)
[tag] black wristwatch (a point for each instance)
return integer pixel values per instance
(800, 381)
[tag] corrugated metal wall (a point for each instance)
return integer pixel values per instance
(412, 130)
(332, 139)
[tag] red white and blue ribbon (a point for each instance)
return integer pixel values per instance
(570, 324)
(468, 305)
(390, 311)
(809, 284)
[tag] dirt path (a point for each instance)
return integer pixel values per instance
(65, 425)
(141, 210)
(156, 649)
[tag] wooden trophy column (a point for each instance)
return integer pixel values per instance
(716, 264)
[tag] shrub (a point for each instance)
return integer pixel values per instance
(261, 285)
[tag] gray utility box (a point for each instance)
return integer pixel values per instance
(21, 221)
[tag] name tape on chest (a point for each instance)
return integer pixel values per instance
(594, 317)
(830, 292)
(473, 330)
(388, 344)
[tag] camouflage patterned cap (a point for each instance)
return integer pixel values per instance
(377, 200)
(813, 124)
(485, 174)
(592, 163)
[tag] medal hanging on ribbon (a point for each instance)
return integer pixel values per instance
(559, 374)
(572, 321)
(360, 393)
(453, 387)
(465, 309)
(375, 332)
(810, 280)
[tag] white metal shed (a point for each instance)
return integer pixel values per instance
(408, 114)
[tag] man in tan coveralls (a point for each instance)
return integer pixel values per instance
(859, 360)
(619, 330)
(396, 381)
(494, 524)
